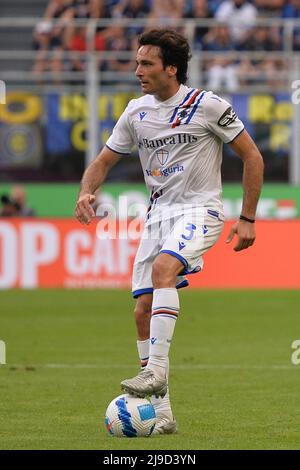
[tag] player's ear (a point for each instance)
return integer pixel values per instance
(172, 70)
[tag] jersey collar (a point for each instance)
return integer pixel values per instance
(175, 99)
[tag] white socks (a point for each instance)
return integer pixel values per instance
(143, 350)
(154, 352)
(162, 405)
(165, 309)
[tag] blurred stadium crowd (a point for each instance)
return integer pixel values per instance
(236, 30)
(246, 50)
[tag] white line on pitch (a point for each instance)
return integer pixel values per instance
(178, 366)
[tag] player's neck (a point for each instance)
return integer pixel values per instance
(167, 93)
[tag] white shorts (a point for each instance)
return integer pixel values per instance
(186, 237)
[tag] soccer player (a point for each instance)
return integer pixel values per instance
(179, 132)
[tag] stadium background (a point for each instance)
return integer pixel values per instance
(68, 71)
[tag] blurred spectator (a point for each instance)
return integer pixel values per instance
(214, 5)
(265, 72)
(9, 207)
(48, 36)
(18, 196)
(111, 4)
(240, 14)
(269, 7)
(78, 43)
(292, 10)
(199, 9)
(262, 39)
(100, 9)
(162, 12)
(117, 40)
(261, 71)
(77, 36)
(131, 9)
(221, 71)
(83, 8)
(136, 9)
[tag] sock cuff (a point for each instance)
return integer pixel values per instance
(143, 350)
(166, 298)
(165, 289)
(143, 342)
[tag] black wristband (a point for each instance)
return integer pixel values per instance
(251, 221)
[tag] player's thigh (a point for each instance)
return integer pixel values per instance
(191, 236)
(165, 270)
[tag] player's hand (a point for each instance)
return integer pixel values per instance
(84, 211)
(245, 233)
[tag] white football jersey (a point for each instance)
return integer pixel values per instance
(180, 143)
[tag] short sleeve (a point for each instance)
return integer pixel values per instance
(221, 119)
(121, 140)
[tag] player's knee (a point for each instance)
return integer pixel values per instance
(162, 274)
(142, 309)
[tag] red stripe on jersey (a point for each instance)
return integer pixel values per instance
(186, 105)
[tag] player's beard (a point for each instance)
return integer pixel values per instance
(144, 89)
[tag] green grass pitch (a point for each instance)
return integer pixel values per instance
(232, 382)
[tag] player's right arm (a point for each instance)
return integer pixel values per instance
(119, 144)
(92, 179)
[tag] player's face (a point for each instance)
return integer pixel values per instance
(154, 78)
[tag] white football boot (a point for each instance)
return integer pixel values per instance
(145, 384)
(165, 423)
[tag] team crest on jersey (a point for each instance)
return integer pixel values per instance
(227, 118)
(162, 156)
(184, 112)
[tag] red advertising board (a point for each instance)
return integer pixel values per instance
(62, 253)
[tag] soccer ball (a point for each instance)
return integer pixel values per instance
(127, 416)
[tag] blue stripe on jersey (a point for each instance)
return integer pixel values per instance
(182, 103)
(213, 213)
(194, 108)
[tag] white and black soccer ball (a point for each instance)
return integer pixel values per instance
(128, 416)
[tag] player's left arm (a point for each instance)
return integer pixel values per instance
(245, 148)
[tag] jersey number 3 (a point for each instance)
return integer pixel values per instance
(190, 228)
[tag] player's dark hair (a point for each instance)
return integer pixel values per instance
(174, 47)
